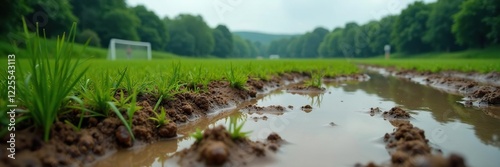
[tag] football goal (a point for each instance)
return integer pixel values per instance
(125, 49)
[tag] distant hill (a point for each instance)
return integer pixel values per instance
(261, 37)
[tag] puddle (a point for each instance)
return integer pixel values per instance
(339, 130)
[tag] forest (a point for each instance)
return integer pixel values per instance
(442, 26)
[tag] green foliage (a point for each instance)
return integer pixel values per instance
(127, 124)
(316, 80)
(223, 41)
(58, 15)
(439, 25)
(169, 85)
(199, 40)
(118, 23)
(86, 35)
(48, 82)
(437, 65)
(410, 27)
(235, 129)
(241, 48)
(99, 92)
(236, 79)
(161, 118)
(477, 24)
(152, 28)
(197, 135)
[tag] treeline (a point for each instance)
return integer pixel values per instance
(445, 25)
(102, 20)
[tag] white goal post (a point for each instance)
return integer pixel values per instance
(112, 49)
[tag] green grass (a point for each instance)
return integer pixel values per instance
(47, 83)
(437, 65)
(492, 52)
(82, 51)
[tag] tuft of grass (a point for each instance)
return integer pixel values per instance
(197, 135)
(316, 80)
(97, 94)
(49, 78)
(160, 119)
(235, 129)
(169, 86)
(235, 79)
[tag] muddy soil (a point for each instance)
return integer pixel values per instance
(217, 148)
(259, 110)
(100, 136)
(409, 147)
(477, 88)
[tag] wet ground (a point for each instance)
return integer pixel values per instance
(339, 130)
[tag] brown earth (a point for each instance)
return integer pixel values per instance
(100, 136)
(273, 109)
(217, 148)
(480, 89)
(409, 147)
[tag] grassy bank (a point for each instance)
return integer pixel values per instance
(492, 52)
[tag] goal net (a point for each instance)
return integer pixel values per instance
(124, 49)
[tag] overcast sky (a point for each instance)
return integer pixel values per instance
(278, 16)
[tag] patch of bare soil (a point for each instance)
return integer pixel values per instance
(478, 88)
(98, 136)
(217, 148)
(409, 147)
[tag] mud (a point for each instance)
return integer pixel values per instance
(303, 88)
(409, 147)
(477, 88)
(273, 109)
(307, 108)
(99, 136)
(217, 148)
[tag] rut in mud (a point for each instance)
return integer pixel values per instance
(346, 126)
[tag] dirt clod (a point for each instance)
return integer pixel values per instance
(397, 113)
(215, 153)
(168, 130)
(123, 136)
(219, 149)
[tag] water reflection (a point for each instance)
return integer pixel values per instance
(443, 107)
(356, 136)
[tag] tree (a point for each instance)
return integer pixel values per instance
(477, 24)
(382, 35)
(181, 43)
(87, 34)
(331, 45)
(439, 25)
(197, 28)
(223, 41)
(10, 17)
(240, 47)
(312, 42)
(118, 23)
(55, 17)
(152, 28)
(410, 28)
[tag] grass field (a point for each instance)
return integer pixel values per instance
(492, 52)
(436, 65)
(7, 48)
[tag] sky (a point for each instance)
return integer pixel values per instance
(278, 16)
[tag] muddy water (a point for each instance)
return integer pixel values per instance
(339, 131)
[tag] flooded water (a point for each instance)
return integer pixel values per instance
(339, 131)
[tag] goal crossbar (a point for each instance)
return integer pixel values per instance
(112, 47)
